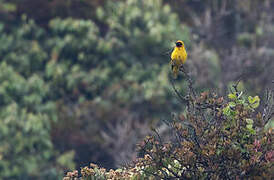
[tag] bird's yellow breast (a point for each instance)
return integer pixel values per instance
(179, 55)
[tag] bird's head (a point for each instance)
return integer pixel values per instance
(179, 43)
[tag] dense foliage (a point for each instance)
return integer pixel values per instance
(214, 139)
(83, 81)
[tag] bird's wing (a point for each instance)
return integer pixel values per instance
(173, 54)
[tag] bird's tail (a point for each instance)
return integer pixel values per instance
(175, 71)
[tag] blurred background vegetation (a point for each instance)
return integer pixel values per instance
(84, 80)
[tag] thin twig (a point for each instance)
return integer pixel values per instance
(235, 86)
(268, 110)
(158, 135)
(190, 81)
(183, 99)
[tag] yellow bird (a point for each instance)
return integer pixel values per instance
(178, 57)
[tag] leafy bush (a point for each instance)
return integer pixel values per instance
(214, 139)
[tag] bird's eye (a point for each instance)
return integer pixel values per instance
(179, 44)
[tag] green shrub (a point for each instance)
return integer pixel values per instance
(214, 139)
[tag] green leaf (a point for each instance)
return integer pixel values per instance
(232, 96)
(232, 104)
(249, 121)
(249, 126)
(226, 111)
(254, 101)
(250, 99)
(250, 129)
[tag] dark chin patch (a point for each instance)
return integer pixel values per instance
(179, 44)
